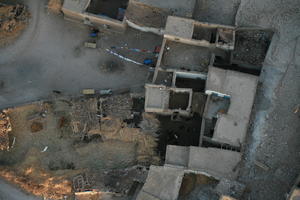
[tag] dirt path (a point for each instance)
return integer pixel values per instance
(50, 55)
(274, 136)
(10, 192)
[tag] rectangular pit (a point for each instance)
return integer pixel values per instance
(225, 38)
(204, 33)
(114, 9)
(188, 80)
(179, 100)
(186, 57)
(251, 47)
(164, 78)
(202, 185)
(185, 132)
(198, 85)
(225, 61)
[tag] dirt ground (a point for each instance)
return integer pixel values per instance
(50, 159)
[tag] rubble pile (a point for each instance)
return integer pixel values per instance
(84, 117)
(118, 106)
(115, 129)
(13, 20)
(5, 128)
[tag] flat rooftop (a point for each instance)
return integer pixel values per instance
(219, 163)
(157, 97)
(198, 33)
(180, 27)
(78, 6)
(162, 183)
(232, 127)
(180, 56)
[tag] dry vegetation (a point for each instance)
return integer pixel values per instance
(5, 128)
(13, 20)
(50, 151)
(45, 185)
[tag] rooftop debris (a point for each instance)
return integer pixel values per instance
(13, 20)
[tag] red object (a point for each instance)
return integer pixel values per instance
(157, 49)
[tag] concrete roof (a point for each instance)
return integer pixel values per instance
(177, 155)
(180, 27)
(178, 7)
(157, 97)
(219, 163)
(162, 183)
(216, 162)
(76, 5)
(232, 127)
